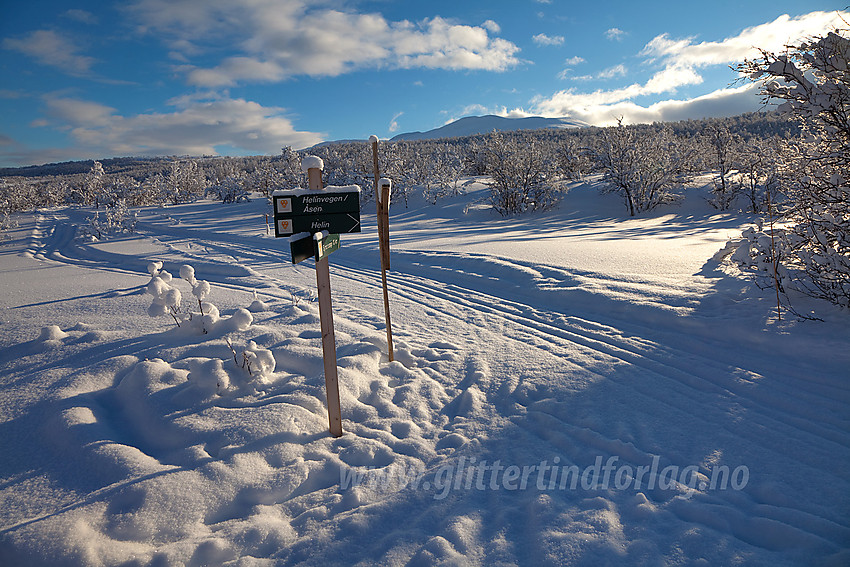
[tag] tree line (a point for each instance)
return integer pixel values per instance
(526, 170)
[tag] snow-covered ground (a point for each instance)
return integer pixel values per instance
(570, 388)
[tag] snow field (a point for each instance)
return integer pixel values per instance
(132, 441)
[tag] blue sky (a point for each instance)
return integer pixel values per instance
(97, 79)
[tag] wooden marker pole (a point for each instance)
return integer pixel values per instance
(326, 317)
(384, 220)
(376, 170)
(382, 199)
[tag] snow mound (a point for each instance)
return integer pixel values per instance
(52, 333)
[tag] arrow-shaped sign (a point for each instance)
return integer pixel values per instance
(337, 223)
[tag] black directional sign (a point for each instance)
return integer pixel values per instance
(302, 246)
(317, 203)
(316, 211)
(338, 223)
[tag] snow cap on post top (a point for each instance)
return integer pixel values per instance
(313, 166)
(312, 162)
(373, 139)
(384, 182)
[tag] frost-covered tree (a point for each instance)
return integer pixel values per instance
(724, 147)
(184, 182)
(90, 190)
(407, 165)
(812, 83)
(644, 167)
(572, 160)
(443, 175)
(228, 190)
(288, 168)
(116, 218)
(759, 173)
(522, 176)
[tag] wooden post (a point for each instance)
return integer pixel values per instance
(377, 172)
(384, 220)
(326, 317)
(323, 283)
(382, 203)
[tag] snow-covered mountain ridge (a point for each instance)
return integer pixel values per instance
(472, 125)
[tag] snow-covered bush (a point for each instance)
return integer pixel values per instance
(522, 176)
(758, 174)
(762, 252)
(6, 221)
(89, 190)
(184, 182)
(229, 190)
(573, 162)
(167, 300)
(444, 173)
(644, 167)
(813, 82)
(724, 148)
(116, 219)
(256, 361)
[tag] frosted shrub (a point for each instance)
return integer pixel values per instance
(812, 81)
(522, 177)
(724, 147)
(6, 222)
(167, 300)
(444, 174)
(762, 253)
(229, 190)
(644, 169)
(116, 219)
(759, 174)
(258, 362)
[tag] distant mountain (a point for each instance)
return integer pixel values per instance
(472, 125)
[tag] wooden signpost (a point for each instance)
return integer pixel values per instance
(382, 198)
(312, 219)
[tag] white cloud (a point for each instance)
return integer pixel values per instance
(81, 16)
(619, 70)
(473, 110)
(681, 62)
(394, 122)
(543, 39)
(612, 72)
(79, 113)
(615, 34)
(491, 26)
(11, 94)
(565, 73)
(599, 110)
(52, 49)
(278, 39)
(233, 70)
(772, 36)
(198, 125)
